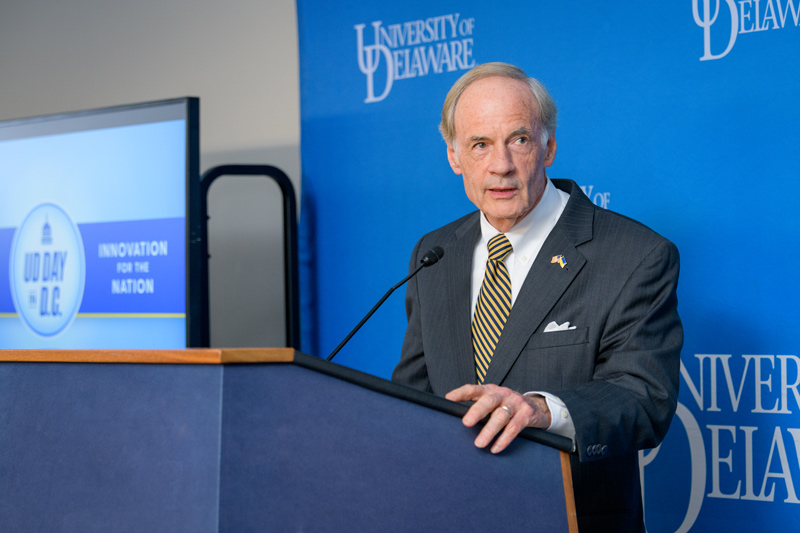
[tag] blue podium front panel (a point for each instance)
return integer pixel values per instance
(304, 451)
(109, 447)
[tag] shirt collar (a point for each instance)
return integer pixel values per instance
(533, 228)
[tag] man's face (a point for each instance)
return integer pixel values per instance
(498, 149)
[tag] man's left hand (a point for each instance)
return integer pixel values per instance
(508, 411)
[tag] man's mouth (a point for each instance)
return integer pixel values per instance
(502, 192)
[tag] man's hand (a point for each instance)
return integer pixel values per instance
(508, 411)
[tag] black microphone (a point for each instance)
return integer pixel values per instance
(430, 258)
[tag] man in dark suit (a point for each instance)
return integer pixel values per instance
(572, 326)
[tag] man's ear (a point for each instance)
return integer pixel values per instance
(550, 154)
(452, 157)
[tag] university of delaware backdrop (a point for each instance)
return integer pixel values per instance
(681, 114)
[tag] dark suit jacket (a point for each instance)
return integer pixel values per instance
(617, 372)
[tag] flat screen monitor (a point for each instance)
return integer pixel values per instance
(99, 213)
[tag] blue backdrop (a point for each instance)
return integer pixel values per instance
(682, 115)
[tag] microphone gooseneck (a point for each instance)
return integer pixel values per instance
(430, 258)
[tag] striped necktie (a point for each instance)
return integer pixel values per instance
(494, 305)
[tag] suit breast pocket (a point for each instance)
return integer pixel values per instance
(551, 339)
(558, 359)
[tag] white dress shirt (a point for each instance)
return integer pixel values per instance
(527, 238)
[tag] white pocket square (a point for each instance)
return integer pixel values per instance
(552, 326)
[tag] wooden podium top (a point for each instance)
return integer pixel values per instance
(208, 356)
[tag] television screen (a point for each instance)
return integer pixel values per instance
(96, 213)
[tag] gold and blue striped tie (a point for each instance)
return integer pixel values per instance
(494, 305)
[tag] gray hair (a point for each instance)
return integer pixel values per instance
(547, 107)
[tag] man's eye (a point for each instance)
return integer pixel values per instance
(479, 145)
(522, 140)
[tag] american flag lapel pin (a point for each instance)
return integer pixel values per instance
(560, 260)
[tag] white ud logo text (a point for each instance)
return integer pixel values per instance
(47, 270)
(413, 49)
(748, 17)
(736, 461)
(600, 199)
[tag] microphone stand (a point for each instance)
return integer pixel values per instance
(372, 311)
(431, 257)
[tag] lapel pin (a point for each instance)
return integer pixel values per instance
(560, 260)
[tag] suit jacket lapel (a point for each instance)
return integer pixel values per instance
(546, 281)
(459, 282)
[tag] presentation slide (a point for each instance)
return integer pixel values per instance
(93, 238)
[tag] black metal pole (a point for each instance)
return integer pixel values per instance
(290, 268)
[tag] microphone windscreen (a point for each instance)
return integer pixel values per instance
(432, 256)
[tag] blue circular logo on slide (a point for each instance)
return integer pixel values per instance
(47, 270)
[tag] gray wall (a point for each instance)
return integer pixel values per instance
(239, 56)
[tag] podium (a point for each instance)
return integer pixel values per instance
(254, 440)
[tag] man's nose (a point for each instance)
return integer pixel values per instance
(501, 162)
